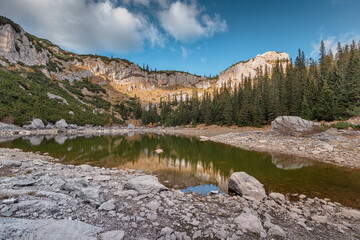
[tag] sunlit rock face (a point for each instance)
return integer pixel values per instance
(244, 69)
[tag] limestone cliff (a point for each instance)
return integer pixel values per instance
(16, 46)
(244, 69)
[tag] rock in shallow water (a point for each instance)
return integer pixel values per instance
(246, 185)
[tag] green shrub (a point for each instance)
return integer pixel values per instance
(341, 125)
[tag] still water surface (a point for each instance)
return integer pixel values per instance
(190, 164)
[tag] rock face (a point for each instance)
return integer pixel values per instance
(292, 126)
(16, 46)
(249, 68)
(246, 185)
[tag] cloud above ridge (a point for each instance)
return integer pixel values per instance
(121, 26)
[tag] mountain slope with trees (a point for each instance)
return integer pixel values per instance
(327, 89)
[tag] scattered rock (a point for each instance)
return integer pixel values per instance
(113, 235)
(277, 197)
(61, 124)
(108, 206)
(276, 231)
(10, 163)
(13, 228)
(246, 185)
(24, 183)
(249, 222)
(36, 123)
(146, 184)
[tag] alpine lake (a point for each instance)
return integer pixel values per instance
(201, 167)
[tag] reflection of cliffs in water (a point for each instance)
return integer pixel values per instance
(290, 163)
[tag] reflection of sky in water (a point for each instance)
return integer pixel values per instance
(202, 189)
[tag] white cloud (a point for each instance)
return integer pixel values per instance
(184, 52)
(332, 41)
(203, 60)
(186, 23)
(84, 25)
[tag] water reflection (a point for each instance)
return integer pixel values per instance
(202, 166)
(290, 163)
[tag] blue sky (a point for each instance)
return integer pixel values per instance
(197, 36)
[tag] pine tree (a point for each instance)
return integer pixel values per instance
(325, 106)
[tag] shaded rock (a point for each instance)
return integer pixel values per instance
(196, 234)
(92, 195)
(276, 231)
(249, 222)
(36, 123)
(292, 126)
(53, 96)
(113, 235)
(61, 124)
(10, 163)
(146, 184)
(108, 205)
(246, 185)
(277, 197)
(166, 231)
(10, 201)
(24, 183)
(13, 228)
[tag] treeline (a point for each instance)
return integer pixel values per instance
(327, 89)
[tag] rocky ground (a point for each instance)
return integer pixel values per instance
(43, 199)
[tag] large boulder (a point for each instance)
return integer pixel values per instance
(36, 123)
(146, 184)
(292, 126)
(14, 228)
(61, 124)
(245, 185)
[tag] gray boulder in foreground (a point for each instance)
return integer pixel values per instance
(292, 126)
(61, 124)
(14, 228)
(247, 186)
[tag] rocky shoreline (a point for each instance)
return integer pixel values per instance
(339, 147)
(41, 198)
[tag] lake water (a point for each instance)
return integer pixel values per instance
(190, 164)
